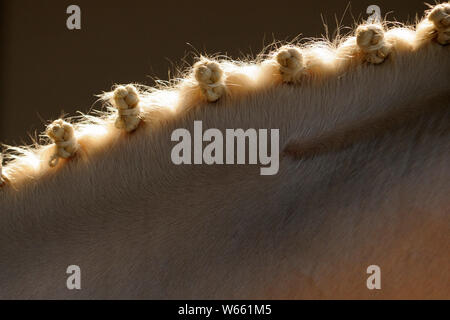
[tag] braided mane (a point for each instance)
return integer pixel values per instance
(136, 106)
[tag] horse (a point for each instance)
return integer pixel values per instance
(363, 180)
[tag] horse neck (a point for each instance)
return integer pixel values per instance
(300, 112)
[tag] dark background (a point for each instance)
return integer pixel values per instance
(47, 69)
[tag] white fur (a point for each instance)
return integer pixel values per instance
(141, 227)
